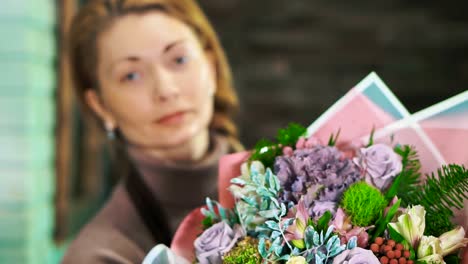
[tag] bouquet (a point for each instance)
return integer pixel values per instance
(357, 186)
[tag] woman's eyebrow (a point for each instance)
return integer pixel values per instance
(134, 58)
(131, 58)
(172, 44)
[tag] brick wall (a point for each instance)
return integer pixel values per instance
(26, 130)
(293, 59)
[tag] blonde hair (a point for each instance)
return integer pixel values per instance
(98, 15)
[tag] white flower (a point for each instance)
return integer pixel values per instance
(436, 258)
(428, 246)
(411, 225)
(453, 240)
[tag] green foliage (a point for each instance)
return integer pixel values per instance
(439, 195)
(322, 223)
(452, 259)
(216, 213)
(207, 222)
(363, 203)
(406, 183)
(289, 136)
(333, 138)
(266, 151)
(371, 138)
(383, 220)
(244, 252)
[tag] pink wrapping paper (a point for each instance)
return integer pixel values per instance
(349, 120)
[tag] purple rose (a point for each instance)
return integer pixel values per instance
(356, 255)
(216, 241)
(380, 165)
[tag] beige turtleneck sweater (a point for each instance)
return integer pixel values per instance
(117, 234)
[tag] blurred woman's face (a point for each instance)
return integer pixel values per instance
(157, 83)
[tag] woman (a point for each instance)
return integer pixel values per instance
(154, 74)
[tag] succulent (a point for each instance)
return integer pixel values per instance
(257, 197)
(217, 215)
(322, 247)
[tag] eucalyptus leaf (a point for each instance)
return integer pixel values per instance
(262, 191)
(275, 234)
(262, 248)
(283, 210)
(352, 243)
(269, 213)
(316, 238)
(333, 242)
(309, 237)
(238, 181)
(272, 225)
(319, 259)
(329, 231)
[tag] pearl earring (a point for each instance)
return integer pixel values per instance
(110, 131)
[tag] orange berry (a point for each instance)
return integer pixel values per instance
(384, 260)
(379, 241)
(387, 248)
(397, 253)
(399, 246)
(409, 262)
(402, 261)
(391, 243)
(382, 249)
(390, 254)
(393, 261)
(406, 254)
(375, 248)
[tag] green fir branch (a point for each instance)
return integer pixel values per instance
(407, 182)
(440, 195)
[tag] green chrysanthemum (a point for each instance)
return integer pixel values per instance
(363, 203)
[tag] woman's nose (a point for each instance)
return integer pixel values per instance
(165, 86)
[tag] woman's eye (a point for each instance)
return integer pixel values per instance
(181, 60)
(132, 76)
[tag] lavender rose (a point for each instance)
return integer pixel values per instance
(380, 165)
(356, 255)
(216, 241)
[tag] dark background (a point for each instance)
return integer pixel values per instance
(293, 59)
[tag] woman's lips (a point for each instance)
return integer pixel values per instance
(172, 119)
